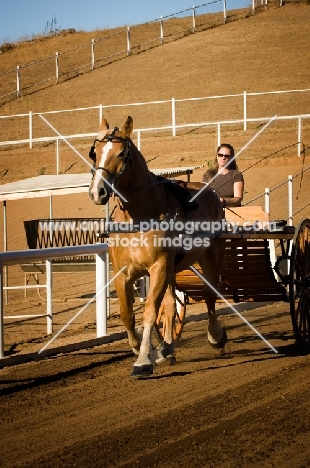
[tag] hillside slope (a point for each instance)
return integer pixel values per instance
(266, 52)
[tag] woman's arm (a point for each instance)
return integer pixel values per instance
(238, 195)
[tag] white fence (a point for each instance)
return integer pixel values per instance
(19, 256)
(48, 71)
(287, 194)
(173, 126)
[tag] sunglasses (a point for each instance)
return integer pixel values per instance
(221, 155)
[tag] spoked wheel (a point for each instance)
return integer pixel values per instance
(179, 320)
(300, 283)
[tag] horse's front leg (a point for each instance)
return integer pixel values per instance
(158, 284)
(125, 295)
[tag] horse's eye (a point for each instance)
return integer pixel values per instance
(121, 155)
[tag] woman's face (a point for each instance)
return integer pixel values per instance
(223, 156)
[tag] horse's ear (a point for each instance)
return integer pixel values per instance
(104, 125)
(128, 127)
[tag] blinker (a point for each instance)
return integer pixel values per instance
(92, 153)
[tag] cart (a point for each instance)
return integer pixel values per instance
(258, 265)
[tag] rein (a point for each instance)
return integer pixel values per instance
(153, 184)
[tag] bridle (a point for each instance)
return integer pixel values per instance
(125, 155)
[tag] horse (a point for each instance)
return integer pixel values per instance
(145, 199)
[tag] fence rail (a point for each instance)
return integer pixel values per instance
(83, 58)
(18, 256)
(172, 126)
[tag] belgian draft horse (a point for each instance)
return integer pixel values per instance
(119, 167)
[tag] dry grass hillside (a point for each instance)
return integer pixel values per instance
(263, 53)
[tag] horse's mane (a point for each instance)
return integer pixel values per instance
(141, 159)
(176, 188)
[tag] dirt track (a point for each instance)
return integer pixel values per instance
(248, 406)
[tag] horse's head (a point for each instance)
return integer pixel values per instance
(110, 154)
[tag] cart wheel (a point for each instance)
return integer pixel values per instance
(299, 285)
(179, 321)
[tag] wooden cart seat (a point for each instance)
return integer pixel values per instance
(246, 272)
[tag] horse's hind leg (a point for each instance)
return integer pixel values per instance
(210, 263)
(166, 349)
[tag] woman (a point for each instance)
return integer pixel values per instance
(227, 181)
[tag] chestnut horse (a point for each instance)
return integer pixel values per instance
(141, 197)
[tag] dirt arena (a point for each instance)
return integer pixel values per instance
(247, 406)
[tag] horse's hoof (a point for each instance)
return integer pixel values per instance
(222, 342)
(172, 360)
(164, 351)
(160, 358)
(142, 371)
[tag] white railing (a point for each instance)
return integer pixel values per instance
(271, 200)
(86, 57)
(267, 199)
(173, 126)
(19, 256)
(297, 118)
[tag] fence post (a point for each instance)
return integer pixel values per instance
(224, 10)
(218, 134)
(267, 201)
(100, 114)
(1, 313)
(128, 41)
(101, 295)
(17, 81)
(253, 7)
(173, 117)
(299, 137)
(5, 280)
(194, 18)
(244, 111)
(49, 296)
(161, 30)
(92, 54)
(57, 156)
(57, 67)
(290, 200)
(107, 265)
(30, 129)
(139, 140)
